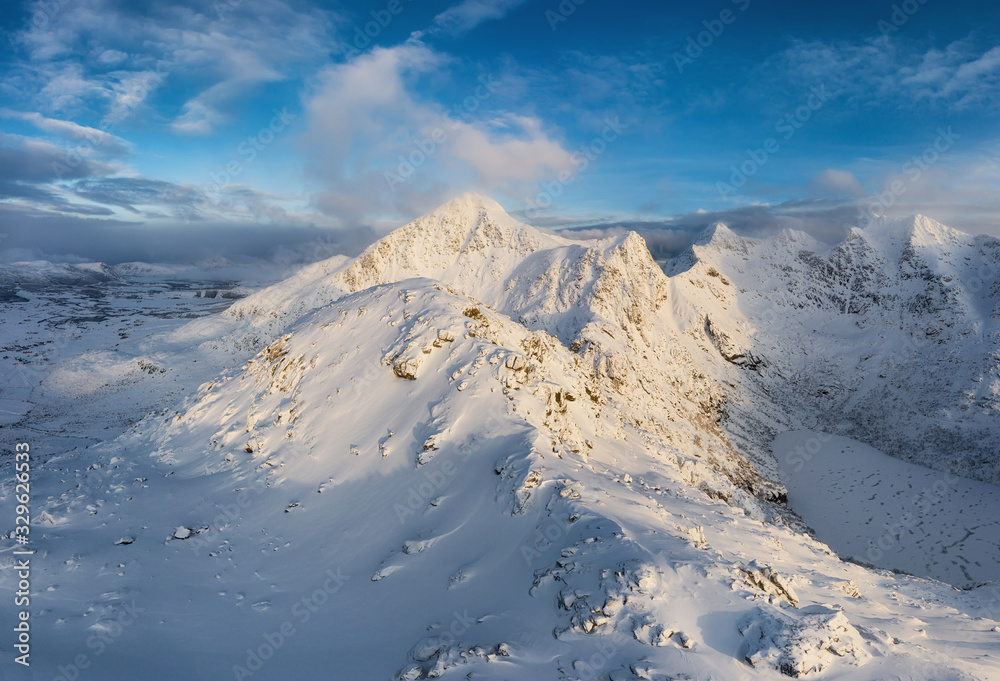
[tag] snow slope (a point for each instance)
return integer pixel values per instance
(69, 351)
(879, 510)
(891, 337)
(474, 452)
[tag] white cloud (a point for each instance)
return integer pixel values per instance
(959, 76)
(468, 14)
(837, 183)
(66, 88)
(69, 130)
(376, 143)
(976, 80)
(128, 91)
(112, 57)
(522, 154)
(237, 64)
(196, 119)
(122, 53)
(958, 188)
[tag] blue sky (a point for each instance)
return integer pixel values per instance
(178, 130)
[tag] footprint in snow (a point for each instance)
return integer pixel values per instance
(418, 545)
(461, 576)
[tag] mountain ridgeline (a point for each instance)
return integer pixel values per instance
(891, 337)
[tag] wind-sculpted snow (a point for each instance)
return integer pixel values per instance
(476, 451)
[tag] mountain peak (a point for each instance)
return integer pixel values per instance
(478, 222)
(461, 219)
(929, 230)
(891, 235)
(717, 233)
(470, 234)
(719, 237)
(904, 227)
(471, 203)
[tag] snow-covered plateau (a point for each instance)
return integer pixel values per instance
(483, 451)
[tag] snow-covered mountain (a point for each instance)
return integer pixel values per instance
(42, 272)
(891, 337)
(36, 274)
(480, 451)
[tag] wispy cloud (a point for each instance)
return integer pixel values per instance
(958, 77)
(123, 54)
(466, 15)
(130, 92)
(131, 193)
(69, 130)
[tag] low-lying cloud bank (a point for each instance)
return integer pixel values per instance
(67, 239)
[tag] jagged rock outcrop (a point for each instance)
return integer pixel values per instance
(891, 337)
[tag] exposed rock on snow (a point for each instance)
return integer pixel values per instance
(802, 643)
(769, 581)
